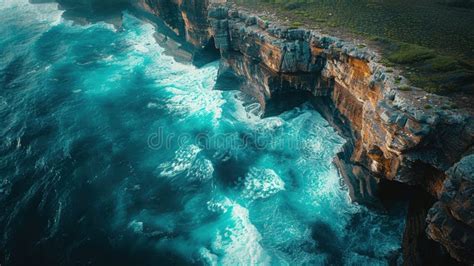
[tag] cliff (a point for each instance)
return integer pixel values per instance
(395, 132)
(187, 19)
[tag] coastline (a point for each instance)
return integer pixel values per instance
(395, 132)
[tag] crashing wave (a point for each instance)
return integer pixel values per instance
(238, 243)
(201, 170)
(262, 183)
(182, 161)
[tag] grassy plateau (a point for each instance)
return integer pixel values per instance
(430, 41)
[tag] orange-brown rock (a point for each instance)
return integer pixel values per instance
(397, 134)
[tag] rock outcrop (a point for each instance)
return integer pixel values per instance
(187, 19)
(451, 219)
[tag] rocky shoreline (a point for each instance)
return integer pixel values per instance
(400, 139)
(395, 132)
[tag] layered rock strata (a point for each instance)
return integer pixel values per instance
(398, 132)
(394, 131)
(187, 19)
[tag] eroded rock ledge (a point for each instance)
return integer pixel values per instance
(397, 132)
(394, 131)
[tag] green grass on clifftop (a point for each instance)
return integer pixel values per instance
(410, 53)
(426, 68)
(431, 41)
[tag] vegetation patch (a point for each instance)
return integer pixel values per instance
(444, 63)
(430, 42)
(405, 88)
(410, 53)
(398, 79)
(436, 24)
(425, 68)
(292, 5)
(296, 24)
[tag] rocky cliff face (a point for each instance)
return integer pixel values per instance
(397, 132)
(451, 219)
(394, 132)
(188, 19)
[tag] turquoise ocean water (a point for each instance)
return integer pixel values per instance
(113, 153)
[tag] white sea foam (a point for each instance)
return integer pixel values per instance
(152, 105)
(208, 257)
(201, 170)
(44, 13)
(108, 58)
(248, 114)
(195, 94)
(136, 226)
(271, 123)
(262, 183)
(239, 242)
(182, 161)
(141, 48)
(219, 204)
(190, 89)
(18, 142)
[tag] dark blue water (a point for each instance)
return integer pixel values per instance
(112, 153)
